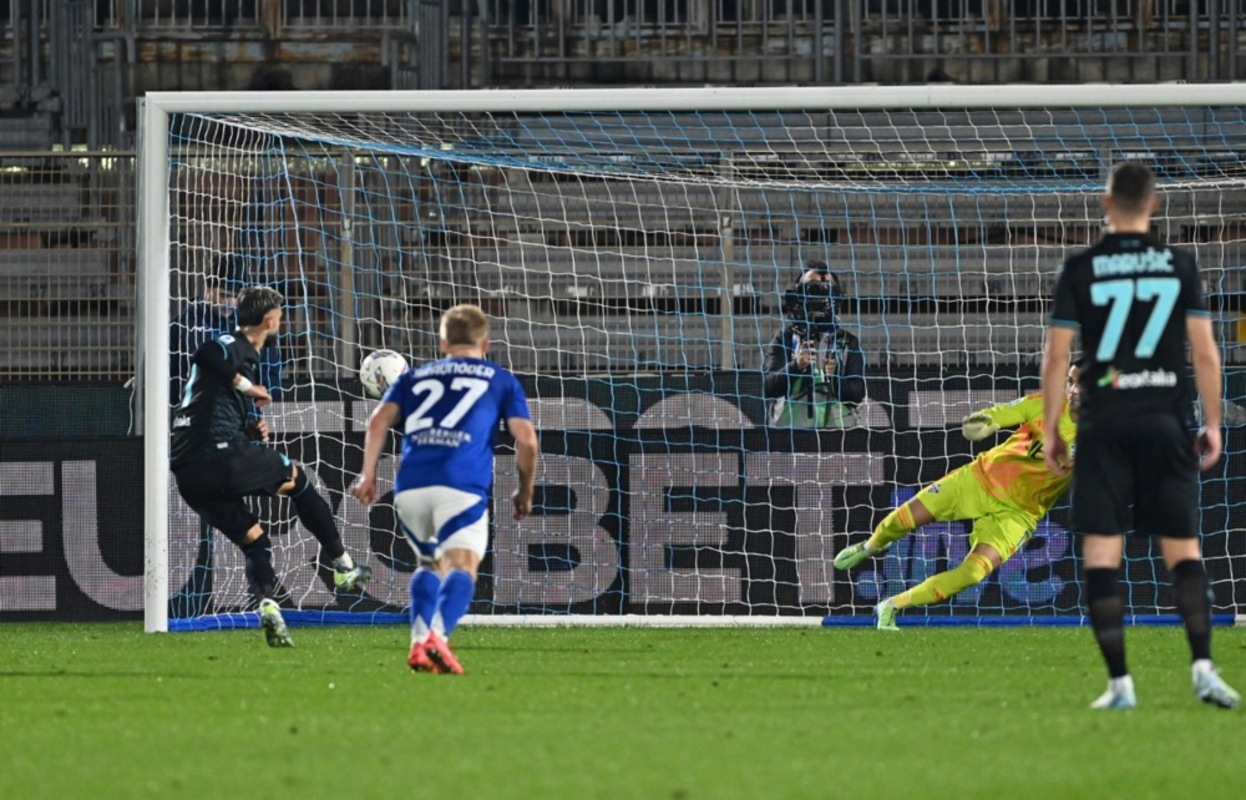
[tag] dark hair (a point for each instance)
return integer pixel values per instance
(254, 302)
(1131, 187)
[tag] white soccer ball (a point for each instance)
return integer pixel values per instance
(379, 370)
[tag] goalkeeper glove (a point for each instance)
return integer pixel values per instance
(977, 427)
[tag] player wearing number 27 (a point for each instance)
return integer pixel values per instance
(450, 411)
(1136, 302)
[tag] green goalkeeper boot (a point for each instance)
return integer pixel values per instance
(852, 555)
(886, 613)
(351, 580)
(274, 625)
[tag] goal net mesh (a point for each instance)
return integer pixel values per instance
(634, 266)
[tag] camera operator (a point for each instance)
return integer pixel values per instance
(814, 369)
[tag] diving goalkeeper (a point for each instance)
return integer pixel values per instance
(1005, 491)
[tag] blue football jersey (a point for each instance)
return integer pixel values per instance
(451, 411)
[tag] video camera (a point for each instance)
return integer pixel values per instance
(809, 307)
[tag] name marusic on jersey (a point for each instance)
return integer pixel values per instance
(1149, 260)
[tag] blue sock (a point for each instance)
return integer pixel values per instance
(456, 595)
(425, 586)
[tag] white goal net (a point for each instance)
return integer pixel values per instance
(633, 248)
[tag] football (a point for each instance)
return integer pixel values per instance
(379, 370)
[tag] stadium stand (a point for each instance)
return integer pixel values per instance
(67, 224)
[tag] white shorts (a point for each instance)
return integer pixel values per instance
(438, 518)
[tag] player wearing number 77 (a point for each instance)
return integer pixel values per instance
(1005, 491)
(1136, 302)
(450, 410)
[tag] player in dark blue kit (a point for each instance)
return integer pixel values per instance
(1136, 302)
(450, 411)
(218, 457)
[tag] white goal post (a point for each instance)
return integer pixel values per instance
(388, 125)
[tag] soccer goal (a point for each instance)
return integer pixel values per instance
(633, 247)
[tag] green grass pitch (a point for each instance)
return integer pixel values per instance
(105, 711)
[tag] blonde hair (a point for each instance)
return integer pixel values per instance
(464, 325)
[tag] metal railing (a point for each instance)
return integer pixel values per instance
(1047, 40)
(80, 60)
(67, 266)
(853, 41)
(692, 41)
(200, 17)
(519, 42)
(89, 68)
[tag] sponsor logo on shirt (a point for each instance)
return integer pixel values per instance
(181, 421)
(1146, 379)
(441, 437)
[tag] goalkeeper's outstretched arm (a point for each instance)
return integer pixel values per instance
(989, 421)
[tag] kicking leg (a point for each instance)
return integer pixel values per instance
(315, 515)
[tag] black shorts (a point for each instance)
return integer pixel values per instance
(1139, 472)
(215, 487)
